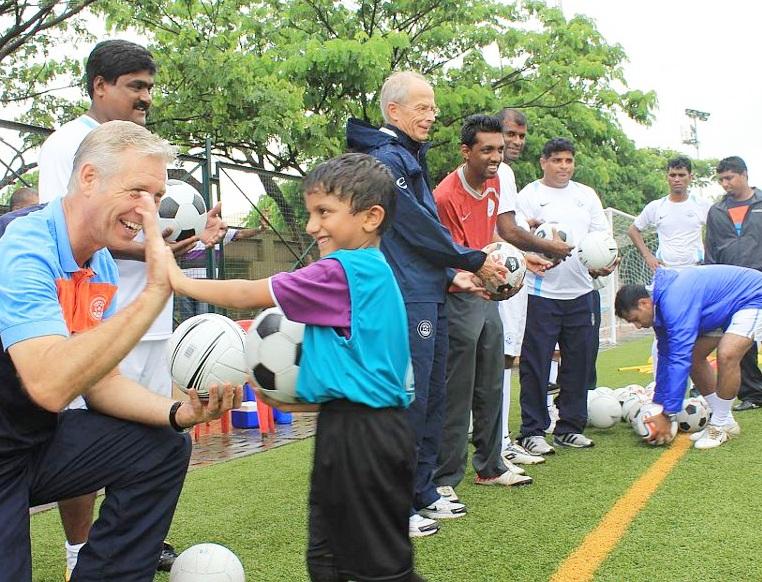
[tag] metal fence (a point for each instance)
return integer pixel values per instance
(266, 230)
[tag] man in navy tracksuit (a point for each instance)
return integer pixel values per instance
(420, 251)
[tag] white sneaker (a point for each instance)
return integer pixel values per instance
(733, 429)
(573, 440)
(443, 509)
(419, 526)
(507, 479)
(536, 445)
(714, 436)
(448, 493)
(518, 455)
(513, 468)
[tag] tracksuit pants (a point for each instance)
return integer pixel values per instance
(571, 323)
(427, 327)
(142, 469)
(475, 366)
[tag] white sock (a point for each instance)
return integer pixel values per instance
(721, 414)
(553, 376)
(72, 552)
(506, 406)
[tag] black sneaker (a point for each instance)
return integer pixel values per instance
(572, 439)
(167, 558)
(745, 405)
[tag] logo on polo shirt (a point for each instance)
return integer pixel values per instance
(401, 183)
(97, 307)
(490, 207)
(425, 328)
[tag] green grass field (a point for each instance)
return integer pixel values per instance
(701, 524)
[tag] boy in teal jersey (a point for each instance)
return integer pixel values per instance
(355, 360)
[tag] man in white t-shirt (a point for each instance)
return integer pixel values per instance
(560, 306)
(678, 219)
(120, 77)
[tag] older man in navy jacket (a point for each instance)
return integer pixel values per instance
(422, 255)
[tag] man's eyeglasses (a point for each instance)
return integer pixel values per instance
(422, 109)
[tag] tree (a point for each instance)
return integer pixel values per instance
(30, 35)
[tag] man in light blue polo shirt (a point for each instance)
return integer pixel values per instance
(57, 285)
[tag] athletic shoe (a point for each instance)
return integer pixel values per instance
(714, 436)
(518, 455)
(536, 445)
(507, 479)
(448, 493)
(746, 405)
(733, 430)
(443, 509)
(419, 526)
(167, 558)
(513, 468)
(574, 440)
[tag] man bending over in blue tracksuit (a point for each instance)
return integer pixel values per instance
(693, 312)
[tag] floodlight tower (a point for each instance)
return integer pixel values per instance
(695, 116)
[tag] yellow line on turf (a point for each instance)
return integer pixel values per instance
(581, 564)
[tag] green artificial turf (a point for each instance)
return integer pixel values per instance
(700, 524)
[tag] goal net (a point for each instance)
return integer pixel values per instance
(632, 269)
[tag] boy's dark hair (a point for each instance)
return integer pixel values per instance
(479, 123)
(510, 114)
(680, 162)
(732, 164)
(627, 299)
(359, 178)
(557, 144)
(111, 59)
(24, 197)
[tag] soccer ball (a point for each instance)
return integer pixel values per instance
(644, 428)
(183, 210)
(604, 390)
(631, 405)
(513, 259)
(273, 353)
(207, 349)
(545, 230)
(693, 417)
(621, 393)
(598, 250)
(603, 411)
(207, 563)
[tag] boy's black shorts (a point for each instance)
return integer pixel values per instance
(362, 491)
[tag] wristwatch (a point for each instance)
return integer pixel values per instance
(671, 416)
(173, 417)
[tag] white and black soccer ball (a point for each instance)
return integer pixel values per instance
(207, 349)
(631, 405)
(693, 417)
(207, 563)
(603, 411)
(598, 250)
(513, 259)
(273, 354)
(545, 231)
(183, 210)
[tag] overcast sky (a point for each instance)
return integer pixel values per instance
(695, 54)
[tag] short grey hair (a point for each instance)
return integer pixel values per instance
(395, 89)
(103, 148)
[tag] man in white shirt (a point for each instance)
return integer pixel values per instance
(678, 219)
(120, 77)
(560, 306)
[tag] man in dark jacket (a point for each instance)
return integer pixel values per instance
(733, 237)
(422, 255)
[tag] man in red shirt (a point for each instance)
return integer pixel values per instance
(467, 202)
